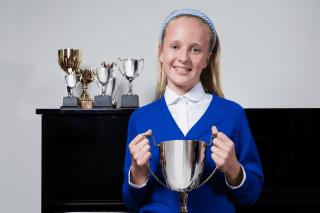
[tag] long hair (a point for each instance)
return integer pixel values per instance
(209, 77)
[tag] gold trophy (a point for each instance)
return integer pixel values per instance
(85, 102)
(69, 61)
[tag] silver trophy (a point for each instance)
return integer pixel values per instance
(130, 72)
(111, 85)
(71, 80)
(182, 163)
(105, 75)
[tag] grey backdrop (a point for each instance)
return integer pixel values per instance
(270, 59)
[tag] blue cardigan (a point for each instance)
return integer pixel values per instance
(214, 196)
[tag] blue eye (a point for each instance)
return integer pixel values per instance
(174, 47)
(196, 50)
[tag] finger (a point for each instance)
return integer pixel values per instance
(220, 144)
(216, 159)
(144, 148)
(149, 132)
(144, 157)
(137, 148)
(217, 151)
(136, 140)
(225, 139)
(214, 130)
(140, 145)
(140, 137)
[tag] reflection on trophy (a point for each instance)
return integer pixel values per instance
(85, 102)
(182, 163)
(130, 71)
(69, 61)
(104, 75)
(110, 88)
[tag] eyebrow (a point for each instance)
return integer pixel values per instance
(193, 44)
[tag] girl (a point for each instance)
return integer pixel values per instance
(190, 105)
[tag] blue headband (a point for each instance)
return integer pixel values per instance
(194, 13)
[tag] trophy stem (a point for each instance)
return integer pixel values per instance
(103, 90)
(71, 92)
(85, 102)
(130, 87)
(183, 202)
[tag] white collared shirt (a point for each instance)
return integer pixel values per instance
(186, 110)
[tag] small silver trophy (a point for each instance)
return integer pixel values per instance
(71, 80)
(182, 163)
(105, 75)
(130, 72)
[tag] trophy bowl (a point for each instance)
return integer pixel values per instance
(104, 74)
(70, 60)
(71, 81)
(130, 71)
(182, 163)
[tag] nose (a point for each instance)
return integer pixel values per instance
(183, 55)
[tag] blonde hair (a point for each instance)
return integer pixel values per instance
(210, 76)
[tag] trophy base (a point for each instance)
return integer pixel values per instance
(129, 101)
(102, 102)
(70, 103)
(85, 104)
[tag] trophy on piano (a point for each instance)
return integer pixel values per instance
(69, 61)
(105, 75)
(85, 102)
(130, 71)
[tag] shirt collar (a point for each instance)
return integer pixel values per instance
(195, 94)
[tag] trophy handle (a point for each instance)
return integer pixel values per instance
(118, 86)
(157, 178)
(154, 142)
(119, 67)
(79, 80)
(213, 135)
(95, 78)
(64, 78)
(141, 68)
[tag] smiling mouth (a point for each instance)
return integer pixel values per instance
(177, 68)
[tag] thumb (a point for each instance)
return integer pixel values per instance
(149, 132)
(214, 130)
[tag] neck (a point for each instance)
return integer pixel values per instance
(181, 90)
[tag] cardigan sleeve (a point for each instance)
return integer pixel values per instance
(248, 156)
(134, 198)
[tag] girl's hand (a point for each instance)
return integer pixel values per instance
(223, 154)
(140, 151)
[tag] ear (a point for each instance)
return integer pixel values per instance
(160, 52)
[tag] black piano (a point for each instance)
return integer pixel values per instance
(83, 155)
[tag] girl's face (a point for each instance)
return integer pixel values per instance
(185, 54)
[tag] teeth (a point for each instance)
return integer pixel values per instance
(182, 69)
